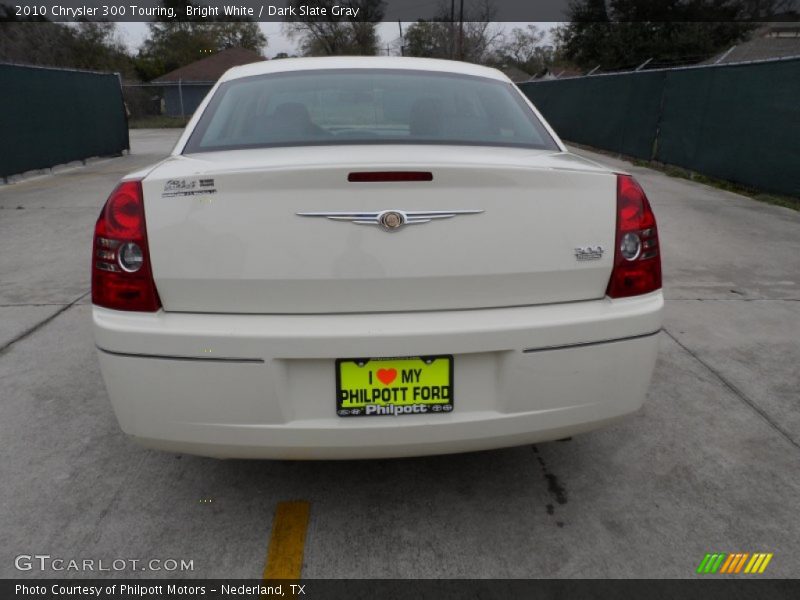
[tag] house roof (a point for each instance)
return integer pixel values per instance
(212, 67)
(515, 74)
(771, 42)
(553, 72)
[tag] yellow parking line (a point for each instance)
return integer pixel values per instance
(286, 545)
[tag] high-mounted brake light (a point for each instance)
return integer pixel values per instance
(122, 278)
(637, 260)
(380, 176)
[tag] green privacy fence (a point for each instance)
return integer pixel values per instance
(738, 122)
(54, 116)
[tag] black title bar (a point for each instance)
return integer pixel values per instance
(734, 588)
(397, 10)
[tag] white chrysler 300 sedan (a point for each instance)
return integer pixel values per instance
(372, 257)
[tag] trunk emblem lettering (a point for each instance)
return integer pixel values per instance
(391, 220)
(589, 253)
(187, 187)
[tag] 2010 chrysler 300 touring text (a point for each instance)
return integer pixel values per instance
(372, 257)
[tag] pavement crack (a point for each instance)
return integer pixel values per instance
(554, 486)
(34, 328)
(36, 304)
(736, 391)
(96, 533)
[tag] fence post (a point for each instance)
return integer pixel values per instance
(654, 148)
(180, 95)
(124, 112)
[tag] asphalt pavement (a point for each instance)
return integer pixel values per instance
(710, 464)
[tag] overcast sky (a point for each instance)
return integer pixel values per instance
(134, 33)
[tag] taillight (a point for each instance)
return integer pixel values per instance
(637, 261)
(121, 275)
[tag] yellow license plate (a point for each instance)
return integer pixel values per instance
(394, 386)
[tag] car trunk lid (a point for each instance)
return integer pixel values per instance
(225, 235)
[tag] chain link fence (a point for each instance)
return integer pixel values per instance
(171, 100)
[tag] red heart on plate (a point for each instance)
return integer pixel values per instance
(387, 376)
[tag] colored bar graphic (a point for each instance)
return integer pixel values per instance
(718, 563)
(734, 562)
(765, 563)
(757, 565)
(711, 562)
(751, 563)
(702, 567)
(727, 564)
(741, 562)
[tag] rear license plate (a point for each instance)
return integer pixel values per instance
(378, 387)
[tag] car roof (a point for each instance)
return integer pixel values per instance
(361, 62)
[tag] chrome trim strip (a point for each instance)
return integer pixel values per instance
(403, 217)
(583, 344)
(261, 360)
(191, 358)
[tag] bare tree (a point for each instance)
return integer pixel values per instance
(84, 45)
(336, 35)
(473, 40)
(524, 48)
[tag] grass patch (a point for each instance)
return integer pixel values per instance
(721, 184)
(157, 122)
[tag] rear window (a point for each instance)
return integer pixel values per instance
(366, 106)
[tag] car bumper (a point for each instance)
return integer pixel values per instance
(263, 386)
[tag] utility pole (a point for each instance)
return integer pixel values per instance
(452, 29)
(461, 32)
(402, 40)
(180, 96)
